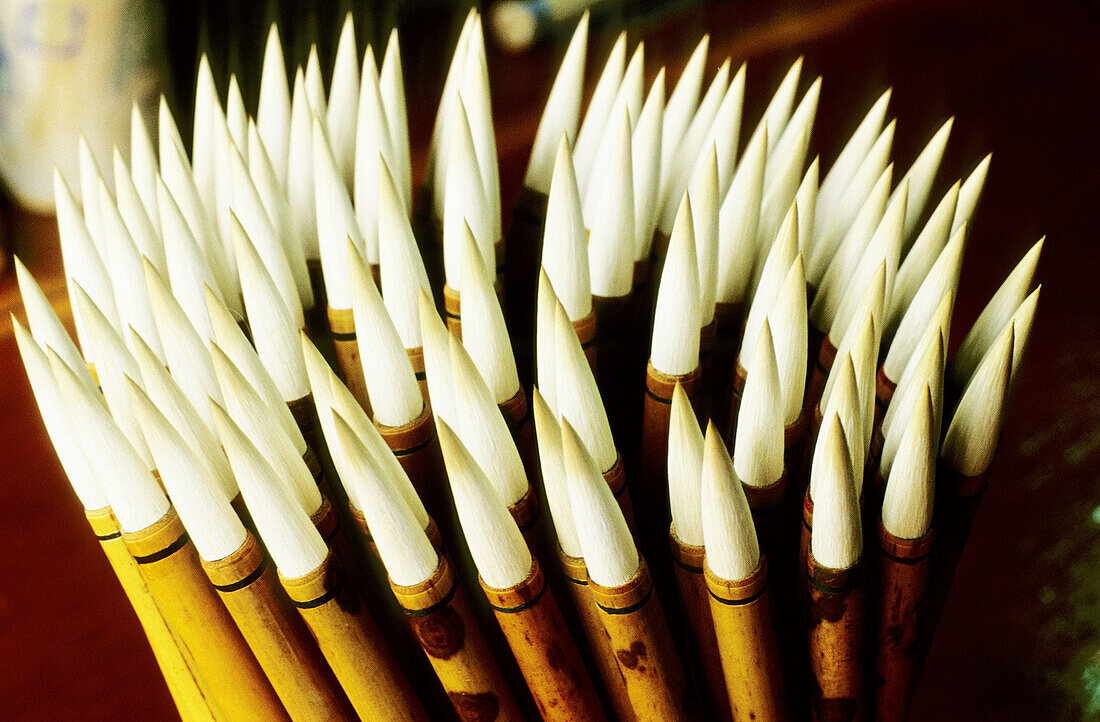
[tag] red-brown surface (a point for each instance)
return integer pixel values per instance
(1019, 637)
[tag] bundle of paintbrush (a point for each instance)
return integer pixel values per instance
(420, 533)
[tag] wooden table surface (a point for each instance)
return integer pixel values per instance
(1019, 637)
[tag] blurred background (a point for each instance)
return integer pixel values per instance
(1020, 636)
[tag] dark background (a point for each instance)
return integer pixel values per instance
(1019, 637)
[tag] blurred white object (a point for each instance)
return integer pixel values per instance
(517, 24)
(69, 68)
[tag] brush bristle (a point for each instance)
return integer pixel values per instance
(483, 430)
(496, 544)
(196, 493)
(733, 550)
(837, 540)
(758, 445)
(404, 547)
(675, 345)
(609, 550)
(294, 543)
(548, 434)
(394, 394)
(685, 469)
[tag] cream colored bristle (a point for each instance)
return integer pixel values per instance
(778, 112)
(610, 259)
(394, 394)
(851, 157)
(253, 415)
(628, 102)
(391, 82)
(675, 344)
(402, 274)
(801, 121)
(546, 364)
(46, 327)
(196, 495)
(402, 544)
(299, 178)
(941, 280)
(181, 414)
(882, 252)
(724, 134)
(733, 551)
(562, 112)
(645, 153)
(466, 203)
(578, 397)
(113, 364)
(609, 551)
(483, 430)
(484, 334)
(124, 260)
(971, 438)
(922, 255)
(970, 194)
(438, 150)
(204, 147)
(143, 162)
(274, 328)
(565, 241)
(178, 180)
(831, 232)
(372, 149)
(315, 84)
(806, 198)
(474, 91)
(294, 543)
(685, 470)
(231, 339)
(331, 395)
(675, 184)
(782, 255)
(343, 101)
(682, 104)
(548, 434)
(758, 444)
(188, 269)
(738, 220)
(597, 115)
(704, 191)
(924, 373)
(837, 539)
(90, 178)
(910, 490)
(844, 404)
(437, 361)
(921, 175)
(336, 222)
(790, 329)
(779, 194)
(249, 211)
(58, 421)
(1023, 320)
(277, 205)
(496, 544)
(995, 316)
(82, 261)
(273, 112)
(869, 310)
(236, 117)
(187, 354)
(144, 233)
(125, 480)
